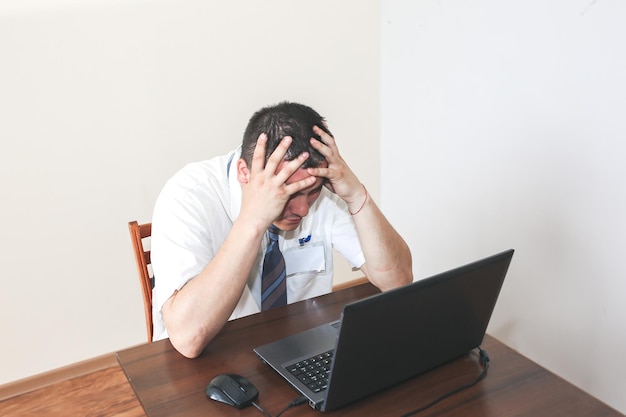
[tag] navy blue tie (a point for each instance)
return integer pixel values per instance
(273, 282)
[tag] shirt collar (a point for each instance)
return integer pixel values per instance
(233, 183)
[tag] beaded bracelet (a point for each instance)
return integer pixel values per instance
(362, 205)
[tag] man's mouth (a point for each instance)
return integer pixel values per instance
(292, 219)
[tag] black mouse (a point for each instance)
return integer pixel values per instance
(232, 389)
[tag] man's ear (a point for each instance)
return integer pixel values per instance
(243, 173)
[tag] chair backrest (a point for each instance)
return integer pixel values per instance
(138, 232)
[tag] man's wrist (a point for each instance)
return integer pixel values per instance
(356, 208)
(246, 226)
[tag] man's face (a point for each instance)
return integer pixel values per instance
(298, 205)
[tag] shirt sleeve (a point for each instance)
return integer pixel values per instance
(181, 241)
(344, 235)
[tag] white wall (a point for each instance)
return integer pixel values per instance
(503, 125)
(101, 102)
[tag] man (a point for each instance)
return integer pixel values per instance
(210, 229)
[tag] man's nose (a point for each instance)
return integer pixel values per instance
(299, 205)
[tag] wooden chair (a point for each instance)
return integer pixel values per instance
(138, 232)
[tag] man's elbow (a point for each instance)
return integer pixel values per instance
(188, 340)
(405, 276)
(188, 350)
(402, 274)
(401, 278)
(390, 278)
(190, 346)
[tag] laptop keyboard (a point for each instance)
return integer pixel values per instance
(313, 372)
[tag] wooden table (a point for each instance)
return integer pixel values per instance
(168, 384)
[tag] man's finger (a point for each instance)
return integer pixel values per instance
(328, 139)
(258, 157)
(290, 167)
(279, 154)
(297, 186)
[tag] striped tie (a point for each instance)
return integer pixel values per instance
(273, 285)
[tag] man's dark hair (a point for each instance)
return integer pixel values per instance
(285, 119)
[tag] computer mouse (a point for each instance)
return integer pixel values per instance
(232, 389)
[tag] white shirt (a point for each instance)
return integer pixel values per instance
(194, 214)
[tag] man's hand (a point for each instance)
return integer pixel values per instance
(265, 191)
(387, 256)
(341, 180)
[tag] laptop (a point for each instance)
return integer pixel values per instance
(390, 337)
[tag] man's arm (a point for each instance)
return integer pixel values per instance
(387, 256)
(196, 313)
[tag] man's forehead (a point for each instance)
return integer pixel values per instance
(302, 173)
(322, 164)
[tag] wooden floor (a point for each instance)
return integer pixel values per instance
(102, 393)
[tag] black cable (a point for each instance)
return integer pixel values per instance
(298, 401)
(258, 407)
(484, 362)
